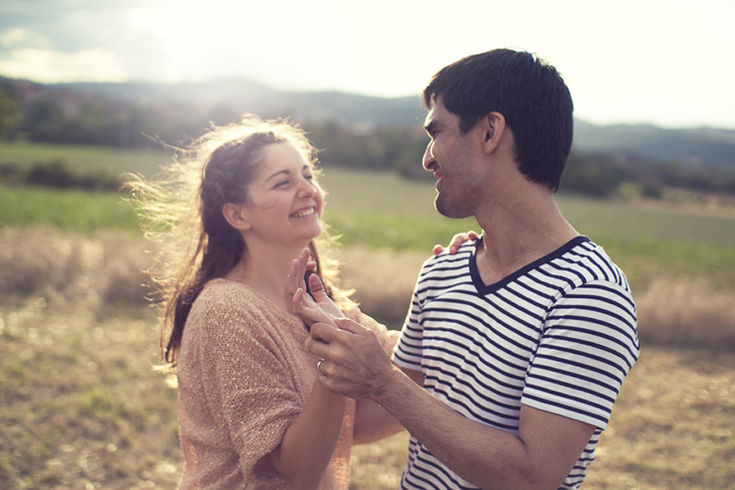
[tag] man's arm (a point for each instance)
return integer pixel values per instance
(540, 456)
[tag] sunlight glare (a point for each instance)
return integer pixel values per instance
(94, 65)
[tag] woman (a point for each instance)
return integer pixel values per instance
(252, 415)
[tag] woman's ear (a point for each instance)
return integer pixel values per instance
(493, 127)
(236, 216)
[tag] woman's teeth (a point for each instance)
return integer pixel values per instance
(304, 213)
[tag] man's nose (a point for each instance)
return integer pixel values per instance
(428, 160)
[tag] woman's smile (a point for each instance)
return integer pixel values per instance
(305, 212)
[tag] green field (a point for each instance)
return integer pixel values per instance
(353, 196)
(382, 210)
(84, 212)
(84, 158)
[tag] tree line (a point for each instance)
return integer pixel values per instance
(76, 118)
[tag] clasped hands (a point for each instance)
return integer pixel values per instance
(355, 363)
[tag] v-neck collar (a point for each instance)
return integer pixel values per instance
(484, 289)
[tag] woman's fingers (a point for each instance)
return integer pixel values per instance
(456, 242)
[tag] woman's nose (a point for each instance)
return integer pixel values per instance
(307, 187)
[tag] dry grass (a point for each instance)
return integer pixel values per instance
(80, 403)
(383, 280)
(101, 271)
(687, 313)
(672, 426)
(82, 407)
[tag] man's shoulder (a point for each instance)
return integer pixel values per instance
(445, 261)
(591, 259)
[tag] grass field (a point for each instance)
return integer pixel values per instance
(70, 210)
(384, 211)
(81, 405)
(84, 158)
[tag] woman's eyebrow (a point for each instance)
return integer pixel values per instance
(279, 172)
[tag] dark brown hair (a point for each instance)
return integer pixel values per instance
(183, 214)
(527, 91)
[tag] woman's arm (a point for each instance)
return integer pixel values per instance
(373, 423)
(307, 447)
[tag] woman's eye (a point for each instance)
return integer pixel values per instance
(282, 183)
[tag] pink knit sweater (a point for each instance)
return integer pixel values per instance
(244, 376)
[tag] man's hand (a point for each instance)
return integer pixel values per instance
(355, 364)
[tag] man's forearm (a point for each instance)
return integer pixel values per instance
(487, 457)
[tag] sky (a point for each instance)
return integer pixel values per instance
(663, 62)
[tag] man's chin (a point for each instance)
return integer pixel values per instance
(445, 209)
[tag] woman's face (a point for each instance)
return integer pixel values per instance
(285, 202)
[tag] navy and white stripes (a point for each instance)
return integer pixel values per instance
(558, 335)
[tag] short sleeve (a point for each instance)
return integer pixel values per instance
(408, 351)
(588, 345)
(248, 380)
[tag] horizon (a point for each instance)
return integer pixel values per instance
(637, 62)
(577, 118)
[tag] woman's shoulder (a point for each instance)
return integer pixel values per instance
(232, 294)
(222, 301)
(237, 305)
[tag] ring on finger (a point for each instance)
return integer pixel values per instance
(319, 366)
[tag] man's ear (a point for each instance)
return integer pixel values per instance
(236, 216)
(493, 127)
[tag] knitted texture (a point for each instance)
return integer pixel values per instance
(244, 376)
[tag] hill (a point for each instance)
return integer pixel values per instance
(693, 146)
(118, 113)
(243, 96)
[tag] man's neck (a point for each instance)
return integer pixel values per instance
(518, 233)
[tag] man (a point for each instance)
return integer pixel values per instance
(515, 348)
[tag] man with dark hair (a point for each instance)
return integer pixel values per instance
(515, 347)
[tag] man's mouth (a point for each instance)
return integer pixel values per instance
(438, 176)
(303, 213)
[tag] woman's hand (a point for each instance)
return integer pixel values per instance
(457, 241)
(314, 307)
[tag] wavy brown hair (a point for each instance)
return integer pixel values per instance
(182, 214)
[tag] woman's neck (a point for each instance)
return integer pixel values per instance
(266, 270)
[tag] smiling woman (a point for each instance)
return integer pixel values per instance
(232, 218)
(285, 201)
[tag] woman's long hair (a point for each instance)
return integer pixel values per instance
(182, 213)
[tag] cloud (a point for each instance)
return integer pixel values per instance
(13, 37)
(670, 67)
(94, 65)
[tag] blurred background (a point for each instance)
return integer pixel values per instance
(90, 90)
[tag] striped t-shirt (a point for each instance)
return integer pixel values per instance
(558, 335)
